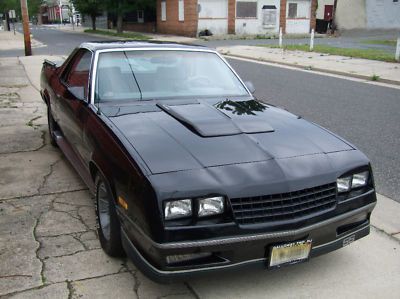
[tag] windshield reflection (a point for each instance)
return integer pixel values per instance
(241, 107)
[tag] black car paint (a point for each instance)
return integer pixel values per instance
(153, 151)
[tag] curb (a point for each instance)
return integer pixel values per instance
(303, 67)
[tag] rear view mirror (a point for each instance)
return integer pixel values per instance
(78, 92)
(250, 86)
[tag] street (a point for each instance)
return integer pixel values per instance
(368, 116)
(48, 242)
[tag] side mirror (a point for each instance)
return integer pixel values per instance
(78, 92)
(250, 86)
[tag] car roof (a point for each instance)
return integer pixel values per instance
(127, 44)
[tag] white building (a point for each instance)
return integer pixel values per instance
(190, 17)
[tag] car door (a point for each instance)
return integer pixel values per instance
(73, 108)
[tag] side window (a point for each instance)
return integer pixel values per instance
(78, 73)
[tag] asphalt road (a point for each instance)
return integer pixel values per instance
(366, 115)
(58, 42)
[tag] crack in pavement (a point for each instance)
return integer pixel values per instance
(35, 237)
(83, 221)
(172, 294)
(41, 194)
(71, 289)
(67, 281)
(192, 291)
(46, 176)
(70, 254)
(30, 122)
(15, 276)
(137, 283)
(81, 242)
(44, 144)
(391, 236)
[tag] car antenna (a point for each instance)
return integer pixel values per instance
(134, 77)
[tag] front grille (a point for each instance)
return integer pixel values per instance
(289, 206)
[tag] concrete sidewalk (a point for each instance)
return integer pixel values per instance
(11, 41)
(339, 65)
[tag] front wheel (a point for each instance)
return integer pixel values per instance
(109, 228)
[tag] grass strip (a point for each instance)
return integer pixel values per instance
(130, 35)
(385, 42)
(371, 54)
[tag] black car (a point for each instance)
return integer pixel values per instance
(191, 173)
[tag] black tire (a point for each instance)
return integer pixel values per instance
(110, 237)
(52, 127)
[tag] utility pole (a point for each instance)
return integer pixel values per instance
(25, 23)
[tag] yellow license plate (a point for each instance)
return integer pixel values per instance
(290, 253)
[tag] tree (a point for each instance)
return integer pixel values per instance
(6, 5)
(93, 8)
(121, 7)
(33, 6)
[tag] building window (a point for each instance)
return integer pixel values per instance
(140, 16)
(292, 14)
(269, 15)
(246, 9)
(163, 10)
(181, 10)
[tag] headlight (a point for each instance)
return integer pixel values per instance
(344, 184)
(356, 180)
(178, 209)
(211, 206)
(360, 179)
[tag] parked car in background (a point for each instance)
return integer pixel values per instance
(190, 172)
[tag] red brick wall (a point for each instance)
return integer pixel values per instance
(140, 27)
(282, 16)
(231, 16)
(172, 25)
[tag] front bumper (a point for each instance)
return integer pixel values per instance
(244, 251)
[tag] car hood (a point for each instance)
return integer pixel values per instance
(185, 135)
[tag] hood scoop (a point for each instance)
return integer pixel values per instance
(223, 119)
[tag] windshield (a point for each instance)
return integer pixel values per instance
(136, 75)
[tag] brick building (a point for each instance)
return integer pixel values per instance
(190, 17)
(50, 11)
